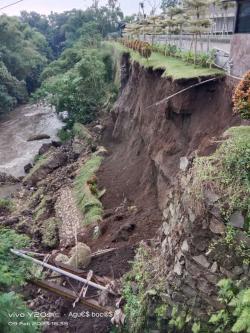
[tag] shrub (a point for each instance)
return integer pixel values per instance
(241, 98)
(10, 304)
(227, 171)
(13, 270)
(143, 48)
(65, 135)
(235, 316)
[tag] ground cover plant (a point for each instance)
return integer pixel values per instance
(13, 273)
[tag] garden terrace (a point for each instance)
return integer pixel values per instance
(173, 67)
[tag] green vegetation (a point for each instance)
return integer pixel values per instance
(174, 67)
(227, 171)
(233, 245)
(65, 135)
(13, 272)
(29, 42)
(235, 316)
(23, 55)
(80, 81)
(64, 29)
(143, 291)
(41, 208)
(82, 132)
(136, 298)
(10, 304)
(12, 269)
(6, 204)
(86, 191)
(50, 233)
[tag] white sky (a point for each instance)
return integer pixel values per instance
(46, 6)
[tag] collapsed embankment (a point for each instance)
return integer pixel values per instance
(153, 149)
(146, 180)
(148, 140)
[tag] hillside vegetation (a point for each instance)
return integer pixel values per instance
(23, 55)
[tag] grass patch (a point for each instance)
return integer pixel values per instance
(227, 172)
(13, 272)
(175, 68)
(86, 191)
(82, 132)
(50, 233)
(41, 209)
(65, 135)
(6, 204)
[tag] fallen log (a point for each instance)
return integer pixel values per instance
(62, 272)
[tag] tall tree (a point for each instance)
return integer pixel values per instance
(165, 4)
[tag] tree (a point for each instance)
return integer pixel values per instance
(23, 55)
(154, 5)
(198, 23)
(165, 4)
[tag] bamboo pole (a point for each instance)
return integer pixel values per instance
(182, 91)
(61, 271)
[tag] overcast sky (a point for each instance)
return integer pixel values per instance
(46, 6)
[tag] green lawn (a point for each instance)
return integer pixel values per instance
(175, 68)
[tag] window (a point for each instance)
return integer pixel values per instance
(243, 17)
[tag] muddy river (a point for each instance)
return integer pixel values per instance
(15, 129)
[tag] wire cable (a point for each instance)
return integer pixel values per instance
(11, 4)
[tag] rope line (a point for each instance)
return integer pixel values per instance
(11, 4)
(182, 91)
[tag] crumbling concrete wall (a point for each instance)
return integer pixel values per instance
(240, 54)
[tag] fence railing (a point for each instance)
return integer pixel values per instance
(205, 42)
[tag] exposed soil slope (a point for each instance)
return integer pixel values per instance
(144, 144)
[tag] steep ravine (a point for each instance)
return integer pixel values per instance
(147, 195)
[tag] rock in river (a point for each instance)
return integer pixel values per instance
(38, 137)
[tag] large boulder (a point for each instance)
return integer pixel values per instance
(44, 148)
(27, 168)
(47, 146)
(80, 256)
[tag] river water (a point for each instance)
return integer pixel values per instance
(15, 129)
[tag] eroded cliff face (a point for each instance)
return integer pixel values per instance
(156, 137)
(153, 150)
